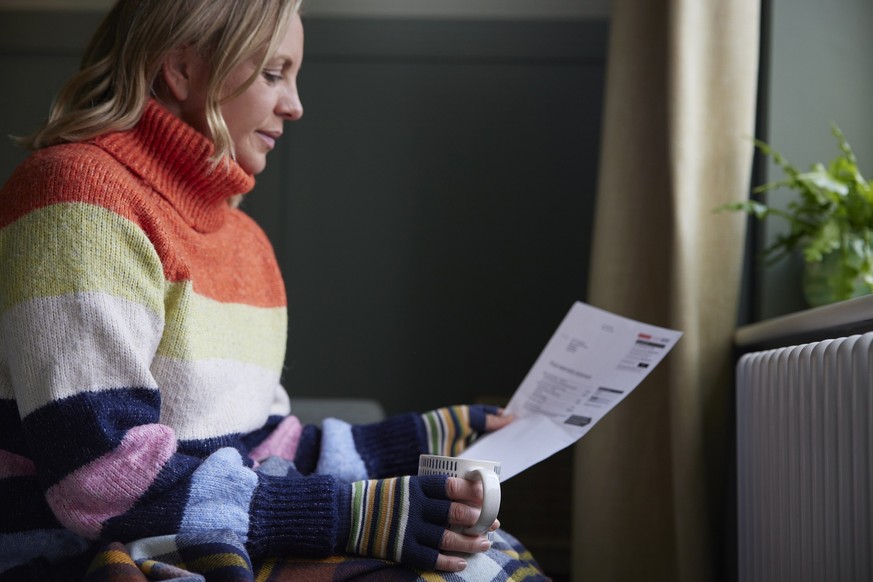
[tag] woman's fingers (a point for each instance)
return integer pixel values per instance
(448, 563)
(458, 489)
(463, 515)
(464, 512)
(459, 543)
(467, 499)
(497, 421)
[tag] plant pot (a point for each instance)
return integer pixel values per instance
(824, 282)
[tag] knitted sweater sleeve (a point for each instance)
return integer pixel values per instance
(81, 322)
(389, 448)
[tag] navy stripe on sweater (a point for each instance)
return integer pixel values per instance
(69, 433)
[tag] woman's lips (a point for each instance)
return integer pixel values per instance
(269, 137)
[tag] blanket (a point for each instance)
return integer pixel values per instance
(221, 557)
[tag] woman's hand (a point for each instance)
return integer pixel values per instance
(452, 429)
(497, 420)
(467, 497)
(409, 520)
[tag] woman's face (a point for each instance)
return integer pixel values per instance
(255, 117)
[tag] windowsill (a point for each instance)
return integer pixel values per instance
(829, 321)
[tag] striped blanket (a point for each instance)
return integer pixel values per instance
(220, 557)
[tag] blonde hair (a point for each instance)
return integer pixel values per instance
(124, 58)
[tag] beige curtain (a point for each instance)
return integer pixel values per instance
(651, 493)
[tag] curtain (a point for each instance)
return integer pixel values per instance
(652, 492)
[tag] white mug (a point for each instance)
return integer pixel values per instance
(486, 471)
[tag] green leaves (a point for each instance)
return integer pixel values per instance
(830, 218)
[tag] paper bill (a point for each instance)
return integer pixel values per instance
(592, 362)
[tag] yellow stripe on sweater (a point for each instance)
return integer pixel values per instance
(71, 248)
(199, 328)
(385, 519)
(68, 248)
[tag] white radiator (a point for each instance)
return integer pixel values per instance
(805, 462)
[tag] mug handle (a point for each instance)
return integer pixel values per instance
(490, 502)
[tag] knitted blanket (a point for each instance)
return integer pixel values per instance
(220, 557)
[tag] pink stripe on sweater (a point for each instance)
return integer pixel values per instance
(12, 465)
(110, 485)
(282, 442)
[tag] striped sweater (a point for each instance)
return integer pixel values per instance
(142, 334)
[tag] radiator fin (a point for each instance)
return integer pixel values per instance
(804, 470)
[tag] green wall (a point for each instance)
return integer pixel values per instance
(820, 72)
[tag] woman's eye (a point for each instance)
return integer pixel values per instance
(272, 78)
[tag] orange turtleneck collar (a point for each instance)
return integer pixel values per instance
(174, 159)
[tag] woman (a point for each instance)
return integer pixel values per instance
(143, 320)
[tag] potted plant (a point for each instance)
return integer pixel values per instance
(830, 222)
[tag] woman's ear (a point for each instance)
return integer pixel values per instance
(178, 73)
(182, 86)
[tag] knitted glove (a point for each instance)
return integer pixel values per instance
(401, 519)
(452, 429)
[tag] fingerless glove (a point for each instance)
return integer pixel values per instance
(401, 519)
(452, 429)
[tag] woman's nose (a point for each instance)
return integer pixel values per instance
(290, 106)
